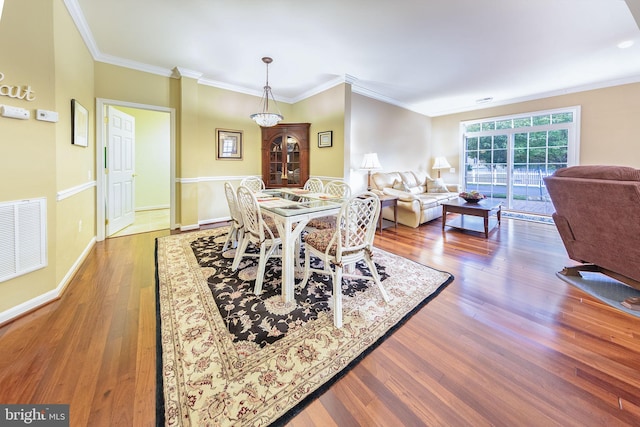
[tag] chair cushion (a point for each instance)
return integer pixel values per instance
(320, 240)
(323, 223)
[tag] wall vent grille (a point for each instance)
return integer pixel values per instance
(23, 237)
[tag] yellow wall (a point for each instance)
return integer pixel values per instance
(608, 133)
(326, 112)
(41, 48)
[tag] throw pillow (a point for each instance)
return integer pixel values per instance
(399, 185)
(437, 186)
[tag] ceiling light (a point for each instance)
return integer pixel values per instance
(483, 100)
(625, 44)
(266, 118)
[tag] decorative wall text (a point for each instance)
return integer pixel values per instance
(18, 92)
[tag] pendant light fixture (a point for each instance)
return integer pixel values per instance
(266, 118)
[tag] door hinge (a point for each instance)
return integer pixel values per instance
(106, 171)
(106, 222)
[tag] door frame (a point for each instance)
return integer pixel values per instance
(101, 179)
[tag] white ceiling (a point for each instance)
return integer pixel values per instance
(431, 56)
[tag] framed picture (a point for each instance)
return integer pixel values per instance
(325, 139)
(229, 144)
(79, 124)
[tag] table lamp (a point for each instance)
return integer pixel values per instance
(440, 163)
(369, 163)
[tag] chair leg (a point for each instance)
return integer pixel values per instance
(376, 277)
(261, 266)
(239, 254)
(232, 232)
(307, 266)
(337, 297)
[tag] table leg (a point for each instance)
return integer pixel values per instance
(289, 235)
(486, 225)
(444, 216)
(395, 214)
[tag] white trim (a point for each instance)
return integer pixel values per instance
(101, 104)
(85, 32)
(48, 296)
(65, 194)
(189, 227)
(214, 220)
(152, 208)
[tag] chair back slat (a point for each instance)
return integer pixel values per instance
(232, 201)
(253, 183)
(338, 188)
(314, 185)
(357, 221)
(250, 210)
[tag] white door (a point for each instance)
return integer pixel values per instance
(120, 173)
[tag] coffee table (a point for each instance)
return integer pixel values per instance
(473, 216)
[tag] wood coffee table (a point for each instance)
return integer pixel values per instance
(473, 216)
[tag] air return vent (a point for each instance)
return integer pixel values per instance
(23, 237)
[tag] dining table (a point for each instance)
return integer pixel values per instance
(291, 210)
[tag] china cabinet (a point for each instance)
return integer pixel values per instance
(285, 155)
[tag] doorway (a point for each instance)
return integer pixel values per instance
(154, 124)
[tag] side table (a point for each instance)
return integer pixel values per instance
(386, 201)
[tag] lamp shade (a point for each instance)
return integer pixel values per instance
(370, 161)
(441, 163)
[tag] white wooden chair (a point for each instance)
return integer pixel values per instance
(351, 241)
(314, 185)
(334, 188)
(236, 230)
(254, 183)
(338, 188)
(260, 231)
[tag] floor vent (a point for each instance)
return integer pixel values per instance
(23, 237)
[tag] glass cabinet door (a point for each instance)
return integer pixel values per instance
(293, 161)
(275, 162)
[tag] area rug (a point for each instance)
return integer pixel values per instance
(604, 288)
(228, 357)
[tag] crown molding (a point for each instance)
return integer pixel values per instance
(178, 72)
(357, 86)
(536, 96)
(78, 18)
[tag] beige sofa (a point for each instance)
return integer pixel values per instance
(419, 196)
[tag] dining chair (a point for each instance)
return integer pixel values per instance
(335, 188)
(314, 185)
(338, 188)
(254, 183)
(259, 230)
(236, 229)
(350, 242)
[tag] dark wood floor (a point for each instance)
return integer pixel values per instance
(506, 344)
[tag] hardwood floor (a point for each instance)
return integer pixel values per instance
(506, 344)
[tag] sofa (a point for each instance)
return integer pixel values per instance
(419, 196)
(597, 213)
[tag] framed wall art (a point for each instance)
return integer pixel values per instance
(79, 124)
(325, 139)
(229, 144)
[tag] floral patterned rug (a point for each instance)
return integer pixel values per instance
(229, 357)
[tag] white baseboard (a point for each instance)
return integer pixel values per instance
(47, 297)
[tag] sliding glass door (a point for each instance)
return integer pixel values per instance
(507, 158)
